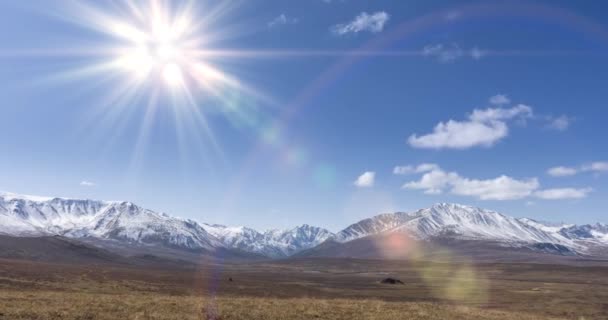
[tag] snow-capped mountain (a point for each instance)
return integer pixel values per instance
(464, 222)
(298, 238)
(587, 239)
(377, 224)
(547, 226)
(470, 223)
(128, 223)
(124, 221)
(22, 215)
(594, 233)
(272, 243)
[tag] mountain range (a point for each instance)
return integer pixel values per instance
(124, 224)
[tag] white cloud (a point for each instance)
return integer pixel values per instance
(446, 53)
(438, 181)
(434, 182)
(600, 166)
(563, 193)
(560, 123)
(562, 171)
(403, 170)
(499, 99)
(87, 183)
(281, 20)
(366, 179)
(500, 188)
(460, 135)
(442, 52)
(492, 114)
(373, 23)
(484, 128)
(424, 167)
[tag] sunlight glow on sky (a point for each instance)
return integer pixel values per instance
(280, 113)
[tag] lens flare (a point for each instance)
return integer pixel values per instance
(147, 54)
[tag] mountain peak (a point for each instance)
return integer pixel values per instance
(125, 221)
(452, 206)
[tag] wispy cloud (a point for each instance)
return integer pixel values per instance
(565, 171)
(409, 169)
(562, 171)
(563, 193)
(599, 166)
(366, 180)
(484, 127)
(282, 19)
(438, 181)
(499, 100)
(501, 188)
(85, 183)
(560, 123)
(373, 23)
(451, 52)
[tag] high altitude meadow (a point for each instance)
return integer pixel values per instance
(319, 159)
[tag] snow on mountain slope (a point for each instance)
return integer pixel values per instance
(374, 225)
(242, 238)
(273, 243)
(129, 223)
(27, 215)
(40, 215)
(544, 225)
(297, 239)
(475, 223)
(126, 221)
(454, 220)
(596, 233)
(581, 234)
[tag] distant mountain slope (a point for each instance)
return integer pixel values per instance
(37, 216)
(130, 224)
(114, 223)
(272, 243)
(400, 246)
(467, 224)
(457, 221)
(374, 225)
(55, 249)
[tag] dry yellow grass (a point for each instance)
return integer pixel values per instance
(73, 305)
(308, 289)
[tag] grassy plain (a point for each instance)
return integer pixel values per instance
(302, 289)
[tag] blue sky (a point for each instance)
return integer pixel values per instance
(319, 112)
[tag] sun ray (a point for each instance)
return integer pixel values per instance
(152, 48)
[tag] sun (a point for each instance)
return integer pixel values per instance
(157, 50)
(155, 60)
(150, 47)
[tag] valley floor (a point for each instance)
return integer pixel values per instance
(303, 289)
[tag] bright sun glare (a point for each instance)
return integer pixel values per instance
(160, 41)
(157, 52)
(153, 50)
